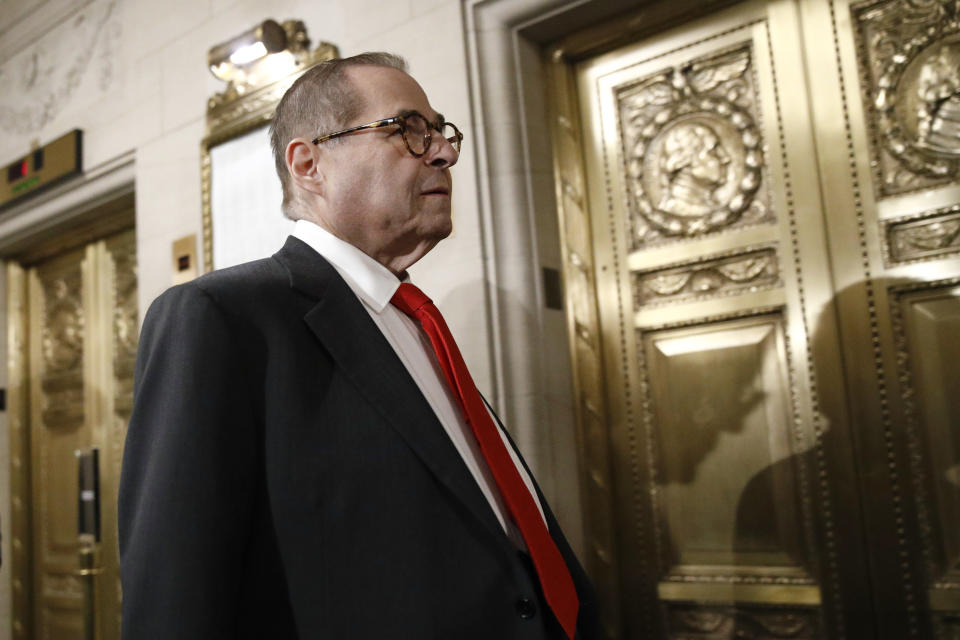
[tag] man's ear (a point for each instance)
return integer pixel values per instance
(303, 165)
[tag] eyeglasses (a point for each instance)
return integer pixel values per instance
(415, 129)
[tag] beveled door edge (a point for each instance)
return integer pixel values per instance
(21, 572)
(583, 337)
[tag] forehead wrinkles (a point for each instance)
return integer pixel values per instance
(385, 92)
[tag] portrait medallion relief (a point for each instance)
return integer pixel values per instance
(938, 100)
(692, 149)
(910, 56)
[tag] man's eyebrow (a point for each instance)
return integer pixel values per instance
(439, 120)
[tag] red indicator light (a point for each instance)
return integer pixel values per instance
(17, 170)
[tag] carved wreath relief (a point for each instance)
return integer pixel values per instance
(62, 347)
(910, 55)
(692, 149)
(767, 623)
(930, 235)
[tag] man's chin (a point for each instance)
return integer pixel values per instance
(431, 226)
(443, 226)
(447, 228)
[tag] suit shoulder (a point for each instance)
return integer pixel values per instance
(233, 288)
(246, 278)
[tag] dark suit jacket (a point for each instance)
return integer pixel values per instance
(285, 478)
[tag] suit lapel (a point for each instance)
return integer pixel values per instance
(345, 328)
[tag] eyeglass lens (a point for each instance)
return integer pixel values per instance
(418, 133)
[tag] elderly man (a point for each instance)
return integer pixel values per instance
(308, 456)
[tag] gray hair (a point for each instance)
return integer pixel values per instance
(321, 100)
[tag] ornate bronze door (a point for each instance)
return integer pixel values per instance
(761, 236)
(73, 333)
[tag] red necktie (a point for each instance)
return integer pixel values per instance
(555, 579)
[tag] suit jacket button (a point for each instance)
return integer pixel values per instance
(526, 608)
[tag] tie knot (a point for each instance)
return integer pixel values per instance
(409, 298)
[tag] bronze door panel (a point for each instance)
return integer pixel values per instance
(716, 434)
(729, 488)
(58, 417)
(762, 254)
(926, 326)
(890, 175)
(74, 345)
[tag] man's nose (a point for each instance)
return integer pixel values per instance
(441, 153)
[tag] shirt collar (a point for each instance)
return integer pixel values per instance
(373, 283)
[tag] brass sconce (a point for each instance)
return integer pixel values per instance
(260, 56)
(229, 59)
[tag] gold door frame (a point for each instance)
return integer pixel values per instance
(103, 220)
(21, 539)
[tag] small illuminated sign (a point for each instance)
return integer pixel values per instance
(184, 259)
(42, 168)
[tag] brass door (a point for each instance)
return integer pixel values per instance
(761, 235)
(73, 330)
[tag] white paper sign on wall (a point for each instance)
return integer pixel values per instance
(245, 197)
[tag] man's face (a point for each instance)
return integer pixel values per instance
(379, 197)
(710, 162)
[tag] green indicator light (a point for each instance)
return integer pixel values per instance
(26, 184)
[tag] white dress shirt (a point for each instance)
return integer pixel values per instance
(375, 285)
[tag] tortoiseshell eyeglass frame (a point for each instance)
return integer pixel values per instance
(400, 121)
